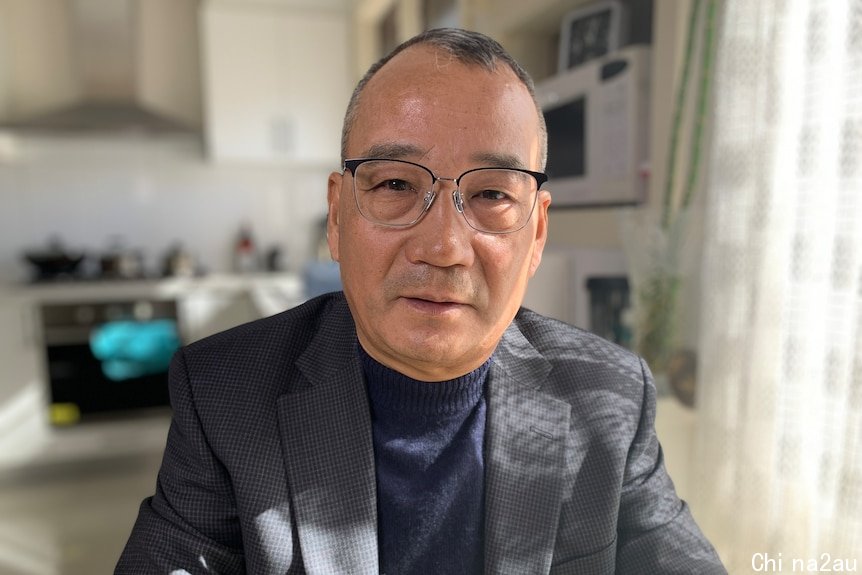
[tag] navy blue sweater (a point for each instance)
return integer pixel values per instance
(428, 440)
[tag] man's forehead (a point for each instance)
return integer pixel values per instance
(430, 66)
(415, 78)
(425, 87)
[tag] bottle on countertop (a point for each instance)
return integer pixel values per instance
(245, 252)
(274, 259)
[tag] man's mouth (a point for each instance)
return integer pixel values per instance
(433, 304)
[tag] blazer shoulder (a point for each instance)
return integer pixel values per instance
(568, 347)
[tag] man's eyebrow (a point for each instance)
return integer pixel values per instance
(498, 160)
(392, 150)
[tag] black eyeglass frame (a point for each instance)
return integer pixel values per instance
(353, 163)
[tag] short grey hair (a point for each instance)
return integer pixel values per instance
(468, 47)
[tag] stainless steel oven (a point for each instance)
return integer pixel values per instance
(107, 359)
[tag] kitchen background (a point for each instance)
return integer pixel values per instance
(198, 199)
(226, 129)
(149, 195)
(223, 121)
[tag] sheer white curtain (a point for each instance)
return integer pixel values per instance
(780, 377)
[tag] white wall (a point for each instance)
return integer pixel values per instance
(152, 193)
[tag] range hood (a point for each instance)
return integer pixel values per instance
(106, 66)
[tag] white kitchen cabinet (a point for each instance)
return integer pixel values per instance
(276, 81)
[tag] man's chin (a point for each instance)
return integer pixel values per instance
(432, 359)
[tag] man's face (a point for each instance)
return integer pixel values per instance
(433, 300)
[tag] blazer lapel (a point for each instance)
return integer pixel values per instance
(525, 449)
(326, 433)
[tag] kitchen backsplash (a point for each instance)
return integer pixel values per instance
(151, 194)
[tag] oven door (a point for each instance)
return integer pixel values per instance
(107, 360)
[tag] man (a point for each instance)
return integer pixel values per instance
(420, 422)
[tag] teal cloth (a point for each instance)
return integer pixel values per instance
(129, 349)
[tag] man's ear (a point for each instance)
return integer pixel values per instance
(542, 204)
(333, 200)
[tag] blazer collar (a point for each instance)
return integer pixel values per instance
(325, 426)
(526, 438)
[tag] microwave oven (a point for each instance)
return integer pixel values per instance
(597, 116)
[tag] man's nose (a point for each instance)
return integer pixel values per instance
(442, 238)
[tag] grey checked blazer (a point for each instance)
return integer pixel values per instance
(269, 465)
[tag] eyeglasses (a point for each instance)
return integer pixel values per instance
(398, 193)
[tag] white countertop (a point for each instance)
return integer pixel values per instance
(166, 288)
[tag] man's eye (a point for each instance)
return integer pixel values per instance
(397, 185)
(495, 195)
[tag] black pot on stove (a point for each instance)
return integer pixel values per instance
(54, 261)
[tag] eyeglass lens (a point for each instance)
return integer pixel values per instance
(397, 193)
